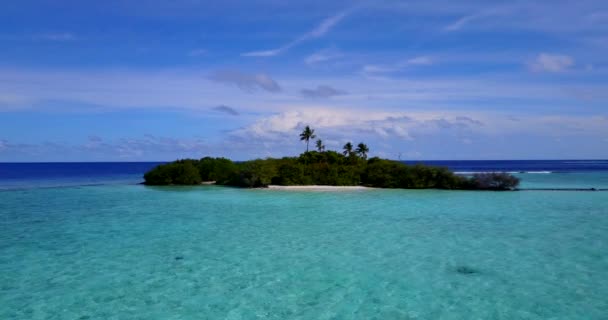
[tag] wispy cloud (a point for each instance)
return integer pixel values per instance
(460, 23)
(546, 62)
(323, 56)
(247, 82)
(226, 109)
(320, 30)
(325, 26)
(398, 66)
(322, 92)
(422, 60)
(484, 14)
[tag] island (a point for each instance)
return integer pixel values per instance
(351, 167)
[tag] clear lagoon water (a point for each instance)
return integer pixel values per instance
(100, 246)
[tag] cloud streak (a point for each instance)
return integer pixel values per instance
(398, 66)
(460, 23)
(320, 30)
(546, 62)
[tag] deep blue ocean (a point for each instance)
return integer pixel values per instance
(87, 241)
(27, 175)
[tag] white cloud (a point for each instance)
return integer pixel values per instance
(551, 63)
(389, 132)
(341, 123)
(435, 134)
(324, 27)
(267, 53)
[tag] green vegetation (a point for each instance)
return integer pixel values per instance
(350, 168)
(306, 135)
(493, 181)
(320, 145)
(362, 150)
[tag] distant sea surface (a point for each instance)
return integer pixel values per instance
(565, 173)
(56, 174)
(87, 241)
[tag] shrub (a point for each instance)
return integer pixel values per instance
(219, 170)
(493, 181)
(181, 172)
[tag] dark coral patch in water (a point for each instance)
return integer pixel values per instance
(466, 270)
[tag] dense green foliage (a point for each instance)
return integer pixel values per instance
(321, 168)
(181, 172)
(349, 168)
(216, 169)
(492, 181)
(392, 174)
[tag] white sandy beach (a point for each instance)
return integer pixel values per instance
(319, 188)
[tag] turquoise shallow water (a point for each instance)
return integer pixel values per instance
(598, 180)
(135, 252)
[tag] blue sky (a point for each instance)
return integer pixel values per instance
(434, 79)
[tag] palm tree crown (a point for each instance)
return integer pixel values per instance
(306, 135)
(348, 149)
(362, 150)
(320, 145)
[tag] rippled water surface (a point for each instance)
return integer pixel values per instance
(134, 252)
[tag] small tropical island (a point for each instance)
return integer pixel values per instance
(322, 167)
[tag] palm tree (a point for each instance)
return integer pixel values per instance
(348, 149)
(320, 145)
(362, 150)
(306, 135)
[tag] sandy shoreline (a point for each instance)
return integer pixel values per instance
(319, 188)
